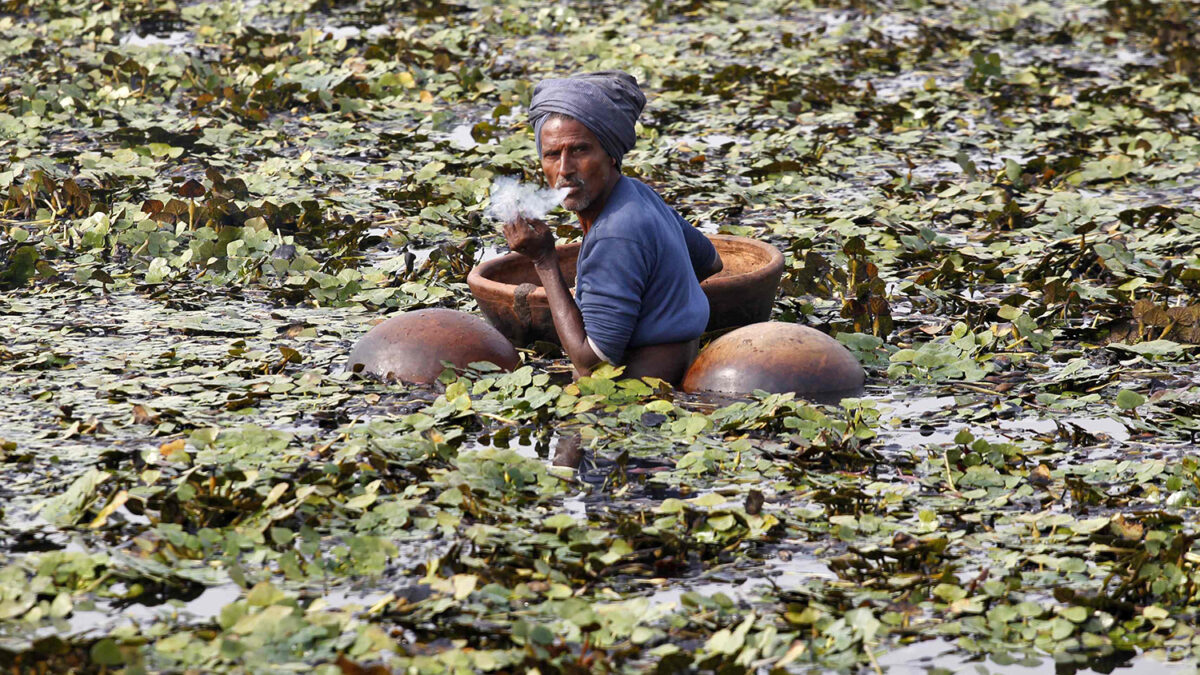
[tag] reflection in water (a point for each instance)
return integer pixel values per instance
(831, 397)
(940, 421)
(568, 451)
(1095, 426)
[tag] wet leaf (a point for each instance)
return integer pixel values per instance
(1129, 400)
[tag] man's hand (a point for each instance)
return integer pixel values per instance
(530, 238)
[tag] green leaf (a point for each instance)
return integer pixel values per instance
(106, 653)
(1151, 348)
(1075, 614)
(19, 268)
(1129, 400)
(68, 507)
(559, 522)
(541, 635)
(722, 522)
(1090, 525)
(282, 536)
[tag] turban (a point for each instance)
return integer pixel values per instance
(607, 103)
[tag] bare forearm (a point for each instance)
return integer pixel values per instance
(534, 240)
(568, 321)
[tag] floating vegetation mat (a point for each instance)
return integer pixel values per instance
(204, 204)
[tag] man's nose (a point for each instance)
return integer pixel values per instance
(566, 164)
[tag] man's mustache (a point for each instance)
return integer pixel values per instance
(568, 183)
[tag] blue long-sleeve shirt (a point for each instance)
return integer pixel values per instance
(637, 276)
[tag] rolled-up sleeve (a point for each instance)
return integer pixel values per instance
(613, 282)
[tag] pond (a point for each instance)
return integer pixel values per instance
(203, 206)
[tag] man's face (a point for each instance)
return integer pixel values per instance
(572, 157)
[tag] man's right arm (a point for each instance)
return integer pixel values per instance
(568, 320)
(534, 240)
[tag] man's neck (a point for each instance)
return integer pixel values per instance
(588, 216)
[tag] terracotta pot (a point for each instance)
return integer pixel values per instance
(411, 346)
(775, 357)
(744, 292)
(511, 297)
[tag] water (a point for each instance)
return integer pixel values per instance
(710, 141)
(1013, 430)
(342, 32)
(924, 420)
(343, 598)
(461, 138)
(720, 140)
(533, 447)
(897, 28)
(421, 255)
(931, 171)
(201, 609)
(775, 575)
(906, 408)
(576, 506)
(942, 417)
(172, 39)
(943, 656)
(894, 88)
(1096, 426)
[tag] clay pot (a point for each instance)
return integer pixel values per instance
(744, 292)
(775, 357)
(411, 346)
(511, 297)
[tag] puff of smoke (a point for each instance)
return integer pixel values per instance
(512, 199)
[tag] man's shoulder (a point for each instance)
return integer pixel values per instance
(637, 190)
(634, 209)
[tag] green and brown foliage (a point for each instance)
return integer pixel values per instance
(203, 204)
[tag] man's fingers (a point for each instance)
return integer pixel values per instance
(528, 237)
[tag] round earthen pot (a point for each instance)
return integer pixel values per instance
(510, 295)
(744, 291)
(411, 346)
(775, 357)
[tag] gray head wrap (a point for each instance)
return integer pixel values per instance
(607, 103)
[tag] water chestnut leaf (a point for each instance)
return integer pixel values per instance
(106, 652)
(1129, 400)
(995, 216)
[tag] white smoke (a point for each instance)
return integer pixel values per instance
(512, 199)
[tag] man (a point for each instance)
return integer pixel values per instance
(637, 299)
